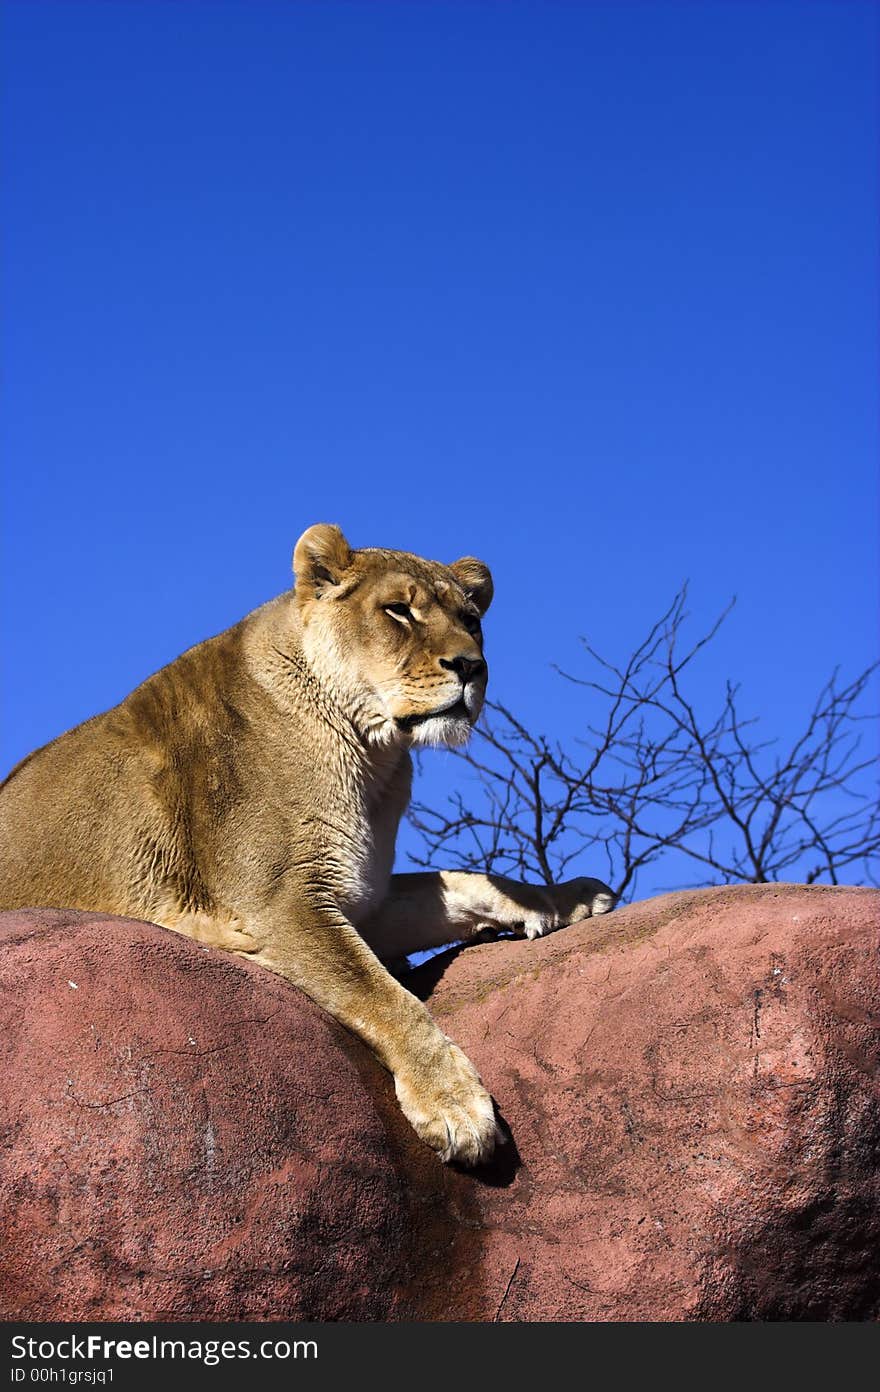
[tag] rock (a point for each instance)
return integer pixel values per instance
(694, 1091)
(691, 1084)
(186, 1137)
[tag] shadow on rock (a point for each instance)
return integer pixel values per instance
(501, 1170)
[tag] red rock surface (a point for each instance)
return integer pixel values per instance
(691, 1083)
(185, 1136)
(694, 1087)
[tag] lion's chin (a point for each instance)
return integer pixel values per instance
(446, 731)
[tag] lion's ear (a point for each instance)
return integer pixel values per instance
(320, 559)
(476, 580)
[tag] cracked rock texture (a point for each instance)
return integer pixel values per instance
(692, 1085)
(185, 1136)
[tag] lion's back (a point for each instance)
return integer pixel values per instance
(50, 804)
(113, 814)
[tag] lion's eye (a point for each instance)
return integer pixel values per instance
(399, 611)
(471, 623)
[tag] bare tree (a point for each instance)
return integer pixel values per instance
(652, 778)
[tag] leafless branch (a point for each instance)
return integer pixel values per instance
(652, 777)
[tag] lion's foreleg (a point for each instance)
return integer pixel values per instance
(438, 1089)
(432, 908)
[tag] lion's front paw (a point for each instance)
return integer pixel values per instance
(581, 898)
(536, 926)
(565, 904)
(448, 1107)
(600, 898)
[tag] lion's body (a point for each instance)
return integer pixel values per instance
(194, 799)
(249, 795)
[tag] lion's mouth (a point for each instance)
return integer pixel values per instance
(457, 711)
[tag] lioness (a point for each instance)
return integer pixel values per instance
(249, 795)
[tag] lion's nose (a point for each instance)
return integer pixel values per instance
(466, 668)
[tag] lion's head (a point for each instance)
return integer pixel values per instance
(395, 637)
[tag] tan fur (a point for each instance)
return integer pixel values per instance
(249, 795)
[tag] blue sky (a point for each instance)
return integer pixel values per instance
(587, 290)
